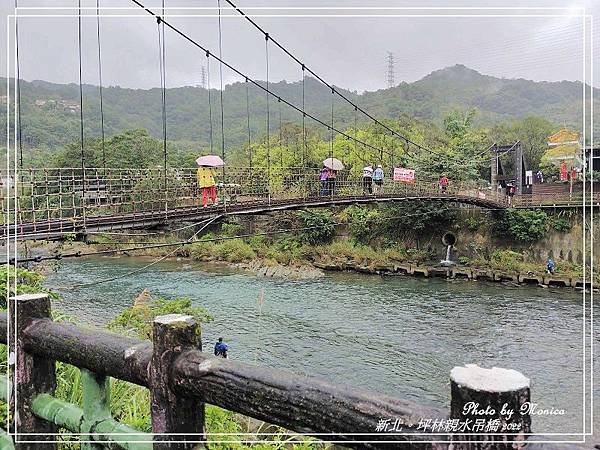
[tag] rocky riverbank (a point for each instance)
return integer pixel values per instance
(313, 262)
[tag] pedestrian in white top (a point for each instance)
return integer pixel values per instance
(367, 180)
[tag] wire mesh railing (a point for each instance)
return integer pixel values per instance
(42, 196)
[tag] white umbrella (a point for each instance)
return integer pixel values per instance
(333, 164)
(210, 161)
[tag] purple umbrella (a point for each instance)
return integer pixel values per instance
(210, 161)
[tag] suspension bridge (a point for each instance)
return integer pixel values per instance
(43, 203)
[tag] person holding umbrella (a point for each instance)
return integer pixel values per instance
(333, 165)
(206, 178)
(323, 179)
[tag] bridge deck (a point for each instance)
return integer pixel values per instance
(49, 203)
(56, 228)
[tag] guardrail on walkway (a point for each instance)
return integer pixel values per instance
(64, 193)
(181, 378)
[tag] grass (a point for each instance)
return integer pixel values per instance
(290, 251)
(511, 261)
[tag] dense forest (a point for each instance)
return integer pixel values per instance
(50, 112)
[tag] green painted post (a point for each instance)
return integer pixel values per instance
(4, 389)
(6, 442)
(70, 417)
(58, 412)
(96, 406)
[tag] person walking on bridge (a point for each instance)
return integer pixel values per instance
(367, 180)
(323, 180)
(510, 193)
(443, 183)
(378, 179)
(221, 348)
(206, 182)
(331, 175)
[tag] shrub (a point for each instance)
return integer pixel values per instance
(202, 251)
(364, 222)
(474, 223)
(234, 250)
(522, 225)
(415, 216)
(27, 282)
(507, 260)
(464, 260)
(231, 229)
(137, 319)
(560, 224)
(322, 227)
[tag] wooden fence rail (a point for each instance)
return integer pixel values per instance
(182, 378)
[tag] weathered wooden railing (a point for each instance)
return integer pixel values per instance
(181, 378)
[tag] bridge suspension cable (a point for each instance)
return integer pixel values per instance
(303, 117)
(209, 100)
(18, 86)
(221, 92)
(330, 86)
(355, 105)
(163, 85)
(248, 120)
(266, 89)
(100, 84)
(268, 112)
(80, 91)
(331, 137)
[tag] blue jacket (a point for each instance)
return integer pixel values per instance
(378, 174)
(221, 348)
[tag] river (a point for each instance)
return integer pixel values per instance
(396, 335)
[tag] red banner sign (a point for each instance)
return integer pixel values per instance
(404, 175)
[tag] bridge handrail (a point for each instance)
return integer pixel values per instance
(181, 378)
(72, 193)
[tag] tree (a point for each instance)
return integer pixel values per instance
(533, 133)
(129, 149)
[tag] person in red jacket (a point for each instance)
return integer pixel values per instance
(443, 183)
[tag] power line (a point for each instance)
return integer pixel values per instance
(156, 261)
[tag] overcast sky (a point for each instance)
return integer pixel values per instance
(347, 51)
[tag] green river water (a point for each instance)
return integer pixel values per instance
(396, 335)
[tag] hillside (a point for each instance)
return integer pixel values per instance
(50, 111)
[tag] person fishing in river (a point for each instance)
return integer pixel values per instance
(221, 348)
(550, 266)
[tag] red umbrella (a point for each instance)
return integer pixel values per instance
(210, 161)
